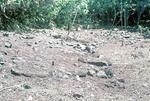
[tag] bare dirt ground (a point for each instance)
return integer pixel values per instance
(90, 65)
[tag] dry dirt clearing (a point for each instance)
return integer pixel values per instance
(90, 65)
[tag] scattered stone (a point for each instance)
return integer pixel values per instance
(60, 74)
(16, 60)
(5, 34)
(115, 84)
(70, 44)
(81, 47)
(28, 37)
(35, 49)
(1, 68)
(96, 63)
(36, 43)
(76, 64)
(28, 43)
(109, 85)
(77, 96)
(78, 78)
(100, 64)
(1, 60)
(26, 86)
(82, 73)
(145, 85)
(82, 60)
(20, 73)
(50, 46)
(101, 74)
(15, 72)
(116, 29)
(8, 45)
(121, 80)
(65, 76)
(53, 63)
(85, 48)
(109, 73)
(57, 36)
(127, 36)
(94, 44)
(135, 56)
(30, 98)
(5, 53)
(146, 34)
(91, 72)
(90, 49)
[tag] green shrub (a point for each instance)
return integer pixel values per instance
(19, 14)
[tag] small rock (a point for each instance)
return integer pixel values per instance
(30, 98)
(127, 36)
(96, 63)
(145, 85)
(15, 72)
(35, 49)
(92, 95)
(27, 37)
(60, 74)
(91, 72)
(1, 60)
(17, 60)
(36, 43)
(101, 64)
(53, 63)
(5, 34)
(8, 45)
(121, 85)
(57, 36)
(81, 47)
(5, 53)
(26, 86)
(109, 73)
(101, 74)
(76, 64)
(28, 44)
(94, 44)
(70, 44)
(77, 96)
(115, 84)
(116, 29)
(90, 49)
(65, 76)
(82, 60)
(82, 74)
(78, 78)
(121, 80)
(91, 33)
(1, 68)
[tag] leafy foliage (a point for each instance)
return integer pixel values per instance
(19, 14)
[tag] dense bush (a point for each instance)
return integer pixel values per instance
(18, 14)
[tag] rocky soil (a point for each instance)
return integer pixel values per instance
(87, 65)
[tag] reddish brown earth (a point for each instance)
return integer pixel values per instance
(89, 65)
